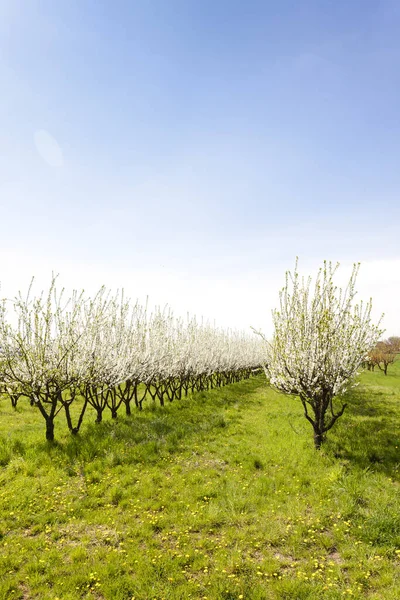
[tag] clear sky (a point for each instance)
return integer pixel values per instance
(190, 150)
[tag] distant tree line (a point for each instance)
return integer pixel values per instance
(383, 354)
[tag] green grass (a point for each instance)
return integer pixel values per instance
(221, 496)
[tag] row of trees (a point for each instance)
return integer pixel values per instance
(383, 354)
(106, 352)
(65, 354)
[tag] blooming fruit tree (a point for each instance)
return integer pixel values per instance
(321, 338)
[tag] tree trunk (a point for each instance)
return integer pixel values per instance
(99, 417)
(78, 426)
(68, 417)
(318, 439)
(50, 430)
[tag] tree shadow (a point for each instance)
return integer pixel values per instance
(368, 435)
(149, 435)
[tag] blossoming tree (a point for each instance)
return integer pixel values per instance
(40, 355)
(320, 339)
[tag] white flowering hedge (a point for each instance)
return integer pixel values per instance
(109, 353)
(321, 338)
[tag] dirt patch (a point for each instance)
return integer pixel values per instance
(284, 557)
(26, 595)
(335, 556)
(92, 535)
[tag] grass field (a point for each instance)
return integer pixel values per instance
(221, 496)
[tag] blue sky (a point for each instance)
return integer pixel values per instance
(190, 150)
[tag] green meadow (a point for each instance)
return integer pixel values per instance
(217, 496)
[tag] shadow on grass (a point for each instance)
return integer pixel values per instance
(147, 435)
(369, 432)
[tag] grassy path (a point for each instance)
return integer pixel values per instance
(217, 497)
